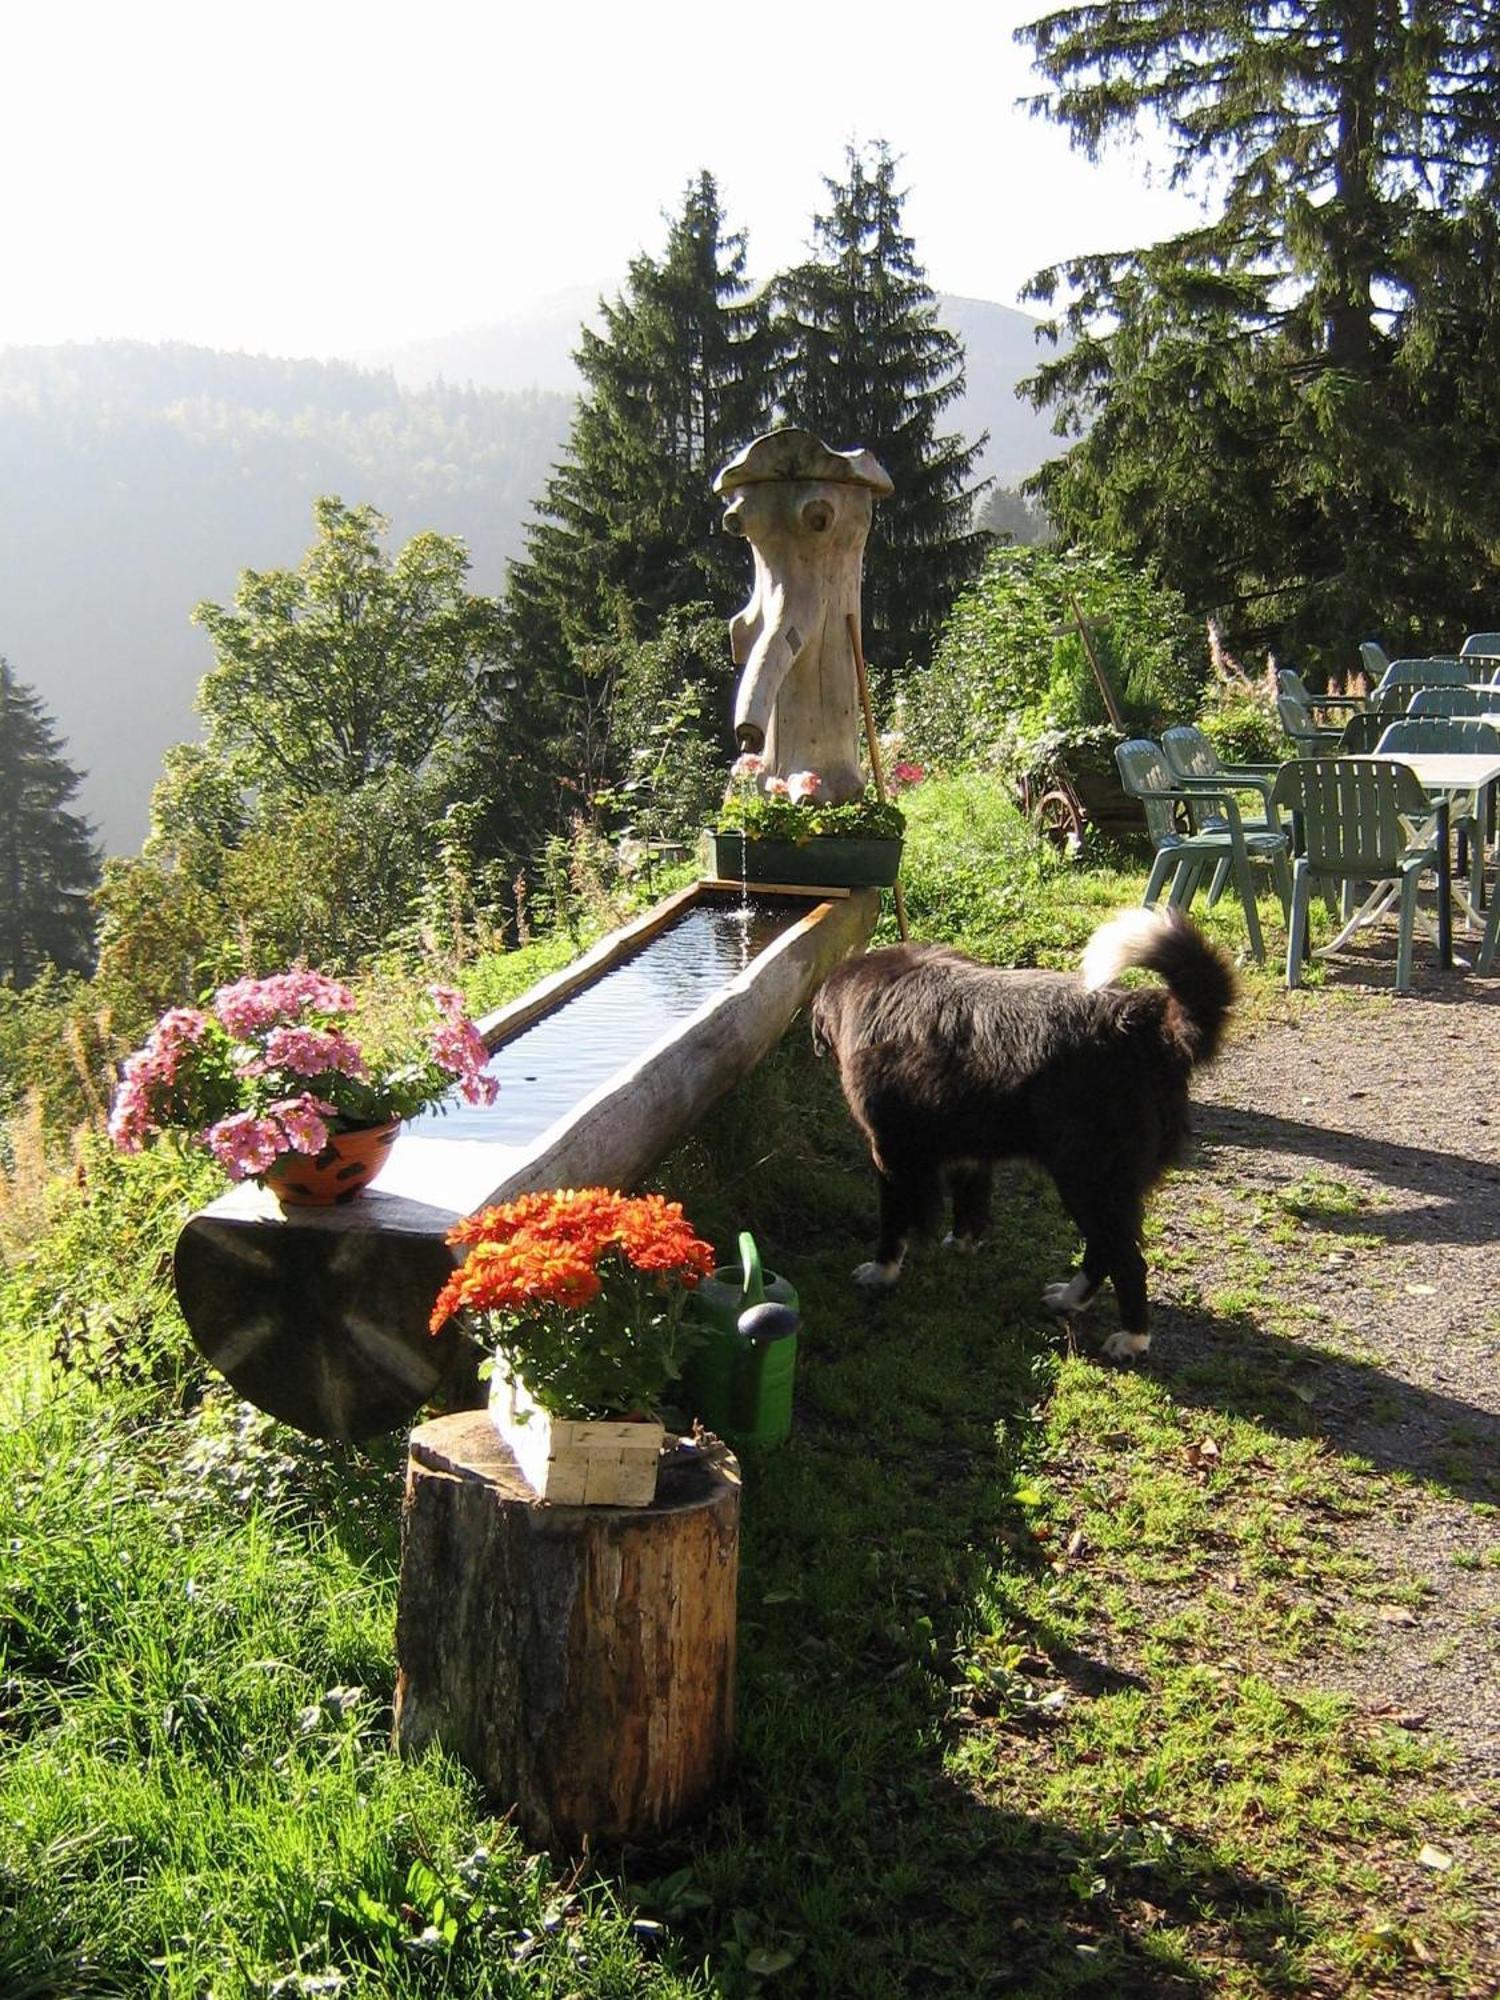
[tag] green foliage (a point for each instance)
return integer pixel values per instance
(49, 864)
(864, 362)
(763, 816)
(1011, 668)
(1287, 407)
(668, 719)
(348, 668)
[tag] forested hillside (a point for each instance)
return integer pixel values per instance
(136, 481)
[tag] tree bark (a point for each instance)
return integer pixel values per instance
(579, 1660)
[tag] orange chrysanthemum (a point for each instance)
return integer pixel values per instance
(545, 1249)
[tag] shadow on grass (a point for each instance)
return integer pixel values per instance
(1458, 1191)
(1233, 1364)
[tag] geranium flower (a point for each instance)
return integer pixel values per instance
(802, 786)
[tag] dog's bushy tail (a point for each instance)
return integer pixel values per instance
(1200, 979)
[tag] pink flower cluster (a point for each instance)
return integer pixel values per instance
(246, 1143)
(457, 1046)
(905, 774)
(802, 786)
(252, 1004)
(150, 1074)
(233, 1076)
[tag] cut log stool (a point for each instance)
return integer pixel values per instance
(579, 1660)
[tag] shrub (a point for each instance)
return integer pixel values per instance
(1012, 668)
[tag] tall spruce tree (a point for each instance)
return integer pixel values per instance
(678, 380)
(49, 864)
(1266, 403)
(866, 363)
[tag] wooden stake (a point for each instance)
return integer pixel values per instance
(874, 745)
(1106, 688)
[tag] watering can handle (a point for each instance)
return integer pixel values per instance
(754, 1290)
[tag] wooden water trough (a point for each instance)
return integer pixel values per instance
(319, 1316)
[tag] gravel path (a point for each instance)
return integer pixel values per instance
(1385, 1114)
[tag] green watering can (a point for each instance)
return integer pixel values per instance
(739, 1382)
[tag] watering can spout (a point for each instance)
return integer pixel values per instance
(755, 1284)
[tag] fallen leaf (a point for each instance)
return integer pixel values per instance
(1395, 1614)
(1436, 1858)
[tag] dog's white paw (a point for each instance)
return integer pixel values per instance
(1127, 1346)
(1068, 1296)
(966, 1246)
(876, 1277)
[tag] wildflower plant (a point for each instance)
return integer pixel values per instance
(796, 808)
(271, 1066)
(580, 1292)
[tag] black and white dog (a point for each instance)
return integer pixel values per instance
(949, 1065)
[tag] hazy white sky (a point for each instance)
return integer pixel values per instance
(318, 176)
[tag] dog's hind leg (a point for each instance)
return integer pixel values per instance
(1111, 1249)
(969, 1183)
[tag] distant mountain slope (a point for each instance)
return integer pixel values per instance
(137, 480)
(533, 349)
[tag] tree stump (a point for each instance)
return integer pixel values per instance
(579, 1660)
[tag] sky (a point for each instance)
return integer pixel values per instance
(322, 177)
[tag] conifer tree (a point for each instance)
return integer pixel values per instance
(1264, 403)
(677, 382)
(49, 864)
(866, 363)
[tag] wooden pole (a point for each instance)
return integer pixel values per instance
(1111, 701)
(874, 746)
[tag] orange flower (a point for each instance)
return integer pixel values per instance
(544, 1249)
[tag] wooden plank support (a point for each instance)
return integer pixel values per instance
(579, 1660)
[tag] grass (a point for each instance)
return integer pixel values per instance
(1025, 1686)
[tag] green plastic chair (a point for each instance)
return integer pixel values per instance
(1289, 681)
(1480, 646)
(1306, 736)
(1355, 816)
(1373, 658)
(1466, 735)
(1361, 733)
(1423, 673)
(1449, 701)
(1183, 857)
(1196, 764)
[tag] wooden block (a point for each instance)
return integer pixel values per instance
(571, 1463)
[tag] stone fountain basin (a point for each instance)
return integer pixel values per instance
(319, 1316)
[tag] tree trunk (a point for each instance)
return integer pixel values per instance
(579, 1660)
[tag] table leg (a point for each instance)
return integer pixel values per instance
(1444, 890)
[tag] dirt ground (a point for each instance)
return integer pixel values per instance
(1384, 1112)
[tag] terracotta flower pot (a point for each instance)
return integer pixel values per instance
(348, 1163)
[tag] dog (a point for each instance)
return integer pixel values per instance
(948, 1065)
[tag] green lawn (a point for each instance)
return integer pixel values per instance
(943, 1786)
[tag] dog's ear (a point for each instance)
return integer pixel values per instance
(821, 1040)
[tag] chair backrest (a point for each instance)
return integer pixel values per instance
(1145, 776)
(1424, 673)
(1374, 658)
(1351, 811)
(1461, 734)
(1447, 701)
(1362, 733)
(1486, 645)
(1289, 681)
(1190, 753)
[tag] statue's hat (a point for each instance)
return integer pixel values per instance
(794, 454)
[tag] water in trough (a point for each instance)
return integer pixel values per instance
(563, 1058)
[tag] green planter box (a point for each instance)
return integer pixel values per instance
(824, 862)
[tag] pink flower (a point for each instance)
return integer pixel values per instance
(302, 1120)
(776, 788)
(458, 1047)
(906, 773)
(802, 785)
(252, 1004)
(244, 1144)
(313, 1052)
(130, 1121)
(748, 766)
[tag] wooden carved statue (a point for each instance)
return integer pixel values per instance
(805, 511)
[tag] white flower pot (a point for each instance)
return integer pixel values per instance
(571, 1462)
